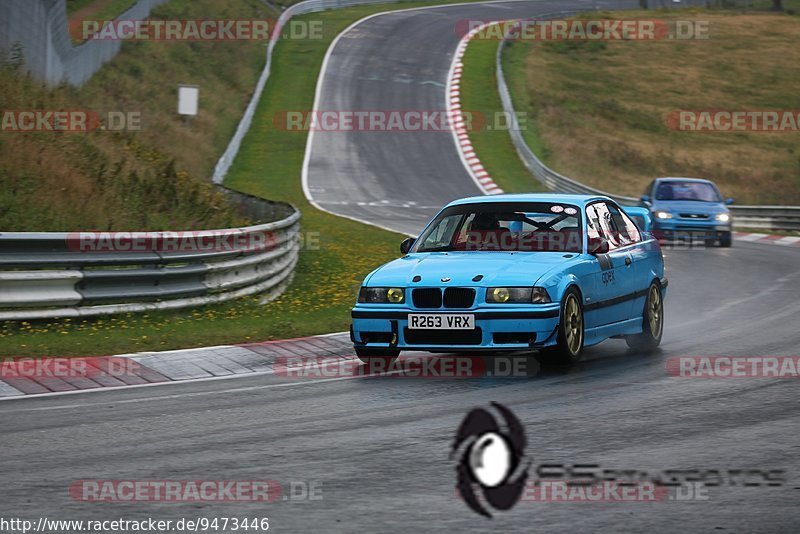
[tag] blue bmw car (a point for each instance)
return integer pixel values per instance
(688, 209)
(554, 273)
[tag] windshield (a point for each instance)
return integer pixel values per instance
(504, 226)
(700, 191)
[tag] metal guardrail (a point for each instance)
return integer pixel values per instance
(54, 274)
(784, 218)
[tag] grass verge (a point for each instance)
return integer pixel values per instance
(97, 9)
(155, 178)
(597, 110)
(492, 143)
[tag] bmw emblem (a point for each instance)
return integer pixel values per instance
(446, 279)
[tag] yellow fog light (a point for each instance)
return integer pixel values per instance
(394, 295)
(500, 294)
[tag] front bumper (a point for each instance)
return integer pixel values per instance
(509, 328)
(681, 229)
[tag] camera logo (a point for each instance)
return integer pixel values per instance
(491, 465)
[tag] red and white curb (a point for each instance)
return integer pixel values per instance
(767, 239)
(460, 131)
(23, 378)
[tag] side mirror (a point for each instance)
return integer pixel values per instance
(728, 201)
(406, 245)
(598, 245)
(645, 200)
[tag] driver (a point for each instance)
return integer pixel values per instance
(486, 233)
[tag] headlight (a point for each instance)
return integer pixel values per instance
(527, 295)
(663, 215)
(381, 295)
(723, 217)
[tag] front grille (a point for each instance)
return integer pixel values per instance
(685, 228)
(427, 298)
(459, 297)
(443, 337)
(699, 216)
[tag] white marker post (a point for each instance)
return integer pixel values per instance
(188, 101)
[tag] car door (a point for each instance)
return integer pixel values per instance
(611, 278)
(641, 253)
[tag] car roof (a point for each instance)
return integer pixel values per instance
(670, 178)
(577, 200)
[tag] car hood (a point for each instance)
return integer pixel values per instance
(497, 268)
(690, 206)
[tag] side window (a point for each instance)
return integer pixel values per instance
(624, 226)
(599, 223)
(441, 234)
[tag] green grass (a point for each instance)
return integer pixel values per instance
(597, 110)
(492, 143)
(80, 10)
(513, 61)
(99, 9)
(153, 179)
(269, 165)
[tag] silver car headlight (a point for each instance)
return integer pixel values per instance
(381, 295)
(517, 295)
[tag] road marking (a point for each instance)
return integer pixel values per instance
(431, 82)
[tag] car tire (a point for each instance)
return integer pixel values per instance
(652, 321)
(370, 356)
(571, 327)
(726, 239)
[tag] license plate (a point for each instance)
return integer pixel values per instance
(434, 321)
